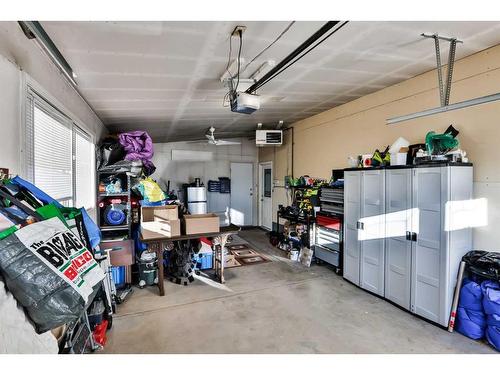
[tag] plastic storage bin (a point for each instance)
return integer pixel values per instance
(204, 261)
(118, 275)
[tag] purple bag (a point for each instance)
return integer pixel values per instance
(139, 146)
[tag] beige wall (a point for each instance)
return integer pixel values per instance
(324, 141)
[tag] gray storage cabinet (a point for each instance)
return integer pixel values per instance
(438, 240)
(398, 207)
(413, 261)
(364, 236)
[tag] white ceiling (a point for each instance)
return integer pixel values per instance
(164, 76)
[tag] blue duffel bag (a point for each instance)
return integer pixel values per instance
(471, 323)
(491, 297)
(491, 304)
(471, 320)
(493, 330)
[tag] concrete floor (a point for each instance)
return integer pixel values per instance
(276, 307)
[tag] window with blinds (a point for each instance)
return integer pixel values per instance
(59, 156)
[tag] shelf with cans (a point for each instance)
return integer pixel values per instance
(295, 223)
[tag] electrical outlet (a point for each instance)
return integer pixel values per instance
(237, 29)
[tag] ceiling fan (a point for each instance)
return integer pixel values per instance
(218, 142)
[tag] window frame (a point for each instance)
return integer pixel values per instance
(33, 93)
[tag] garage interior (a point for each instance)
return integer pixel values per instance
(249, 187)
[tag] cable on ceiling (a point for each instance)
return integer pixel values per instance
(232, 90)
(285, 67)
(229, 57)
(311, 43)
(270, 45)
(240, 33)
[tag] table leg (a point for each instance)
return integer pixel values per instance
(221, 239)
(157, 247)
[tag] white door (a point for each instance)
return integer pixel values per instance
(372, 231)
(241, 193)
(352, 193)
(266, 195)
(429, 255)
(397, 228)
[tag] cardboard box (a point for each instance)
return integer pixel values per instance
(201, 223)
(160, 212)
(161, 221)
(160, 228)
(122, 252)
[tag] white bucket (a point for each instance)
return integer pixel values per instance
(294, 255)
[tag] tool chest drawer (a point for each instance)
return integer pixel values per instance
(328, 238)
(328, 222)
(329, 256)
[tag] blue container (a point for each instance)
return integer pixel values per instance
(118, 275)
(204, 261)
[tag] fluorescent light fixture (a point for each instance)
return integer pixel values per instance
(447, 108)
(188, 155)
(34, 28)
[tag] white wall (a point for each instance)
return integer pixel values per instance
(179, 172)
(17, 55)
(10, 116)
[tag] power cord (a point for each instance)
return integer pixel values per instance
(240, 33)
(229, 57)
(232, 91)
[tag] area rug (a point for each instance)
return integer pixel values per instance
(245, 255)
(230, 261)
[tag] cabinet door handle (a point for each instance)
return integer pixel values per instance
(360, 225)
(408, 236)
(414, 237)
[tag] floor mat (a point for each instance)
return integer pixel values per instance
(230, 261)
(245, 255)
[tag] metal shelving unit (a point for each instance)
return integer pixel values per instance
(109, 229)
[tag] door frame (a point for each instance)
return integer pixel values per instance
(262, 166)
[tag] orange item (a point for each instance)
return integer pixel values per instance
(100, 333)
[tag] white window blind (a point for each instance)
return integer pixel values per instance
(59, 156)
(84, 170)
(52, 155)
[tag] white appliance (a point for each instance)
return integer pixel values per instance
(269, 137)
(244, 103)
(405, 232)
(197, 200)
